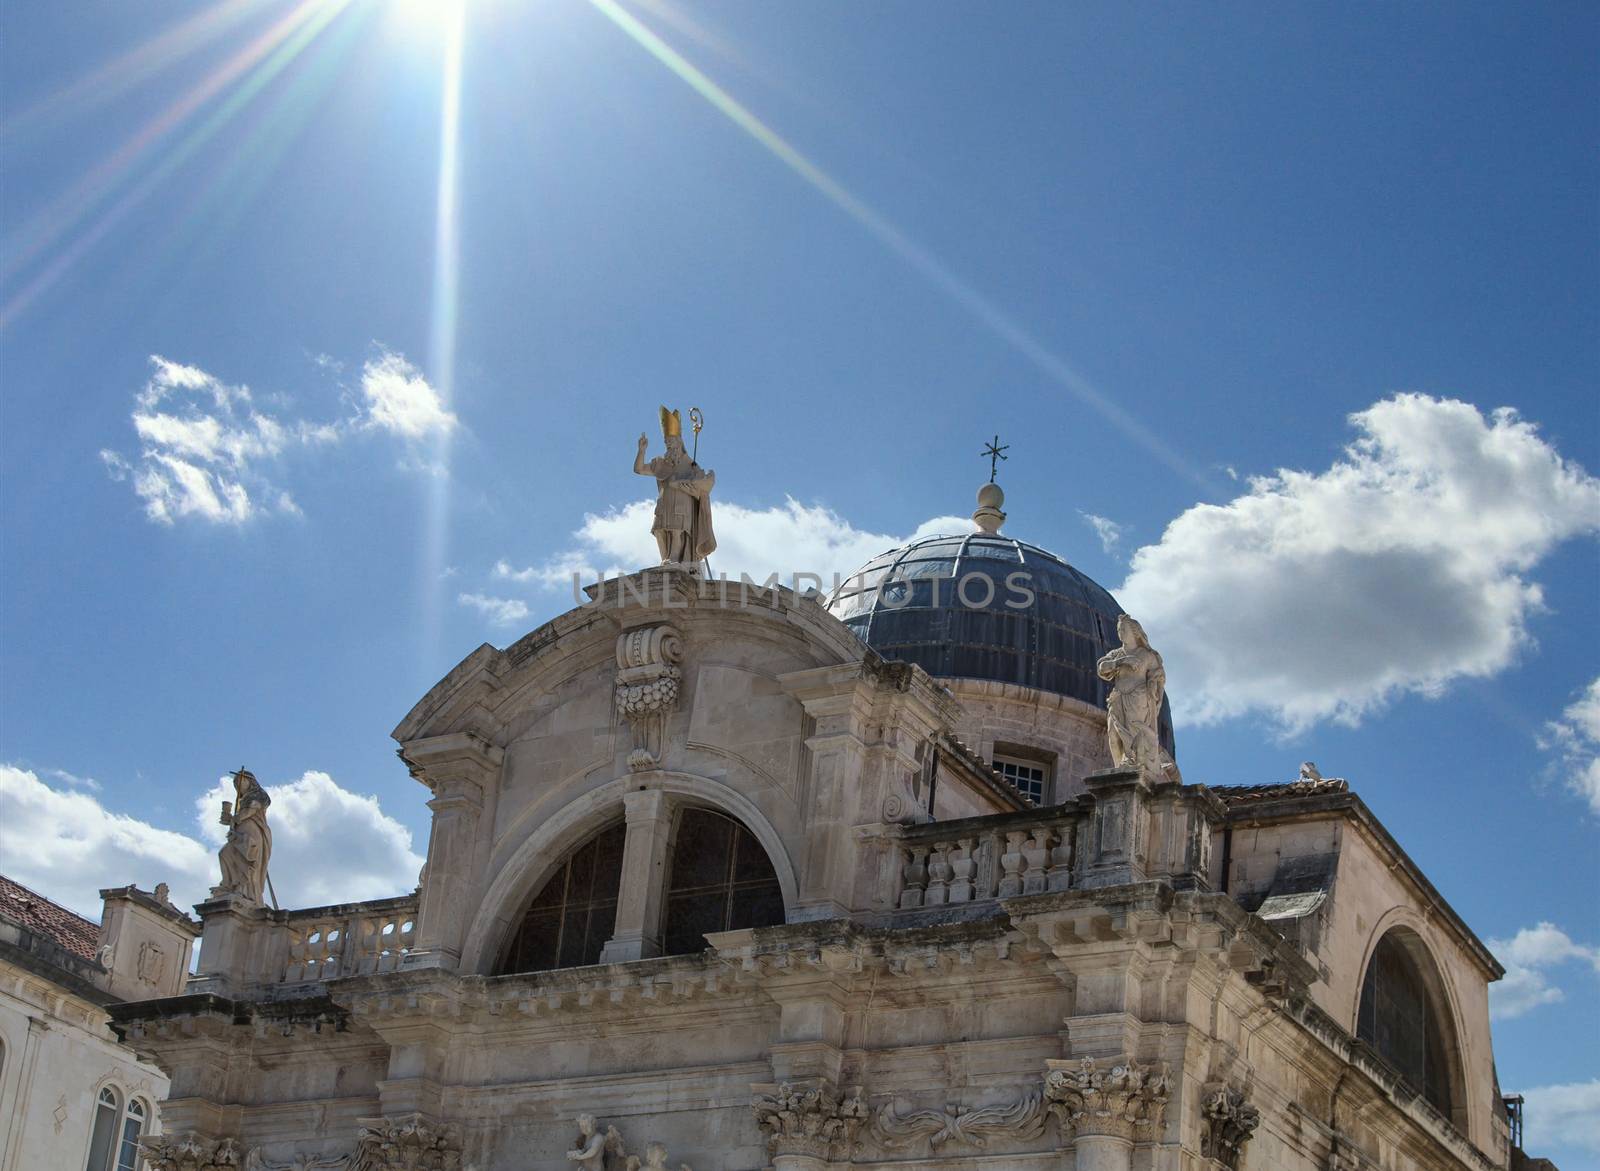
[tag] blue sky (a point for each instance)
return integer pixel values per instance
(1160, 249)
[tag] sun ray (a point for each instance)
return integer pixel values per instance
(97, 89)
(944, 278)
(442, 325)
(251, 68)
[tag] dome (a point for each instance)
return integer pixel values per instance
(986, 606)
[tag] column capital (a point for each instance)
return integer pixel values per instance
(452, 761)
(1117, 1099)
(811, 1120)
(1229, 1123)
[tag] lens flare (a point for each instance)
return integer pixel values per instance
(442, 323)
(939, 274)
(247, 71)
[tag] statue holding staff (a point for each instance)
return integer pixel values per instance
(682, 526)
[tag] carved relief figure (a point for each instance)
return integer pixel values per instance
(245, 854)
(1133, 705)
(593, 1147)
(152, 962)
(682, 526)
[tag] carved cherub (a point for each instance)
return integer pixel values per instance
(655, 1159)
(593, 1147)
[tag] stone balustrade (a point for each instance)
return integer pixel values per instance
(998, 856)
(357, 939)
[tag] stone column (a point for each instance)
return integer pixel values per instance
(644, 877)
(1105, 1107)
(461, 769)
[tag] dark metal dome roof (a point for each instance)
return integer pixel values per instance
(952, 606)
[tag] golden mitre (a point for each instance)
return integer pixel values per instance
(671, 424)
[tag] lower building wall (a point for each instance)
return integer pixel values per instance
(56, 1055)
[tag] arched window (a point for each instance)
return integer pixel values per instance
(1404, 1018)
(132, 1127)
(570, 919)
(721, 880)
(103, 1138)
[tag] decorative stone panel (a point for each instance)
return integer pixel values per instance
(1121, 1100)
(1020, 1119)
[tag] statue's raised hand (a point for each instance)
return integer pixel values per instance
(644, 442)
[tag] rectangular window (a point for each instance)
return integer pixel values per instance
(1030, 777)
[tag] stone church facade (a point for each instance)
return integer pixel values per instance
(735, 878)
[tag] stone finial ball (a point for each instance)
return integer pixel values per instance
(990, 496)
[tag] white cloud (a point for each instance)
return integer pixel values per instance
(67, 846)
(1108, 530)
(400, 400)
(500, 611)
(787, 539)
(1576, 736)
(205, 446)
(329, 844)
(1566, 1115)
(1528, 957)
(1322, 595)
(201, 440)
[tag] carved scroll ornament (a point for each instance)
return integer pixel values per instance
(648, 683)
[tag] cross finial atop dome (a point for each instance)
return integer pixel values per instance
(988, 516)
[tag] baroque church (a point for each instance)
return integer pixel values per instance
(727, 876)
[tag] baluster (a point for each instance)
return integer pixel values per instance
(1011, 862)
(963, 864)
(939, 872)
(1036, 854)
(988, 852)
(1060, 876)
(915, 876)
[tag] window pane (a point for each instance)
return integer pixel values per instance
(104, 1134)
(690, 917)
(700, 855)
(720, 879)
(128, 1156)
(568, 922)
(756, 906)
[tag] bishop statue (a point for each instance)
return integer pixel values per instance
(682, 525)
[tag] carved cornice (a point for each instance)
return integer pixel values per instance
(809, 1119)
(190, 1152)
(409, 1142)
(1122, 1100)
(1229, 1123)
(1021, 1119)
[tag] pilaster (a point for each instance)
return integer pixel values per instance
(644, 873)
(461, 770)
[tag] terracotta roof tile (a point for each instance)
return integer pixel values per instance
(37, 913)
(1244, 794)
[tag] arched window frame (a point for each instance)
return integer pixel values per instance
(105, 1126)
(670, 890)
(560, 872)
(1440, 1014)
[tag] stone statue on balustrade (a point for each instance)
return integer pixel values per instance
(245, 854)
(1138, 683)
(682, 525)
